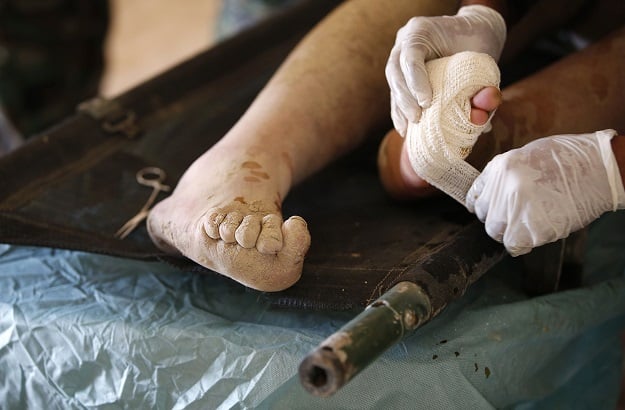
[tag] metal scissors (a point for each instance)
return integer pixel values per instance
(151, 177)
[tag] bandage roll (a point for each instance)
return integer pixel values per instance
(439, 143)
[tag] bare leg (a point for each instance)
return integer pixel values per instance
(581, 93)
(225, 212)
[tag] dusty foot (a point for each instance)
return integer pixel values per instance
(225, 215)
(396, 173)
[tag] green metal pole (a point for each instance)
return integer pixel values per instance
(383, 323)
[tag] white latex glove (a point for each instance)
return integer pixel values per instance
(474, 28)
(545, 190)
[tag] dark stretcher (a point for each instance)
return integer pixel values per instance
(74, 186)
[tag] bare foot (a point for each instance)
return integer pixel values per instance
(396, 173)
(225, 215)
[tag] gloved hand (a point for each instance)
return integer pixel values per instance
(474, 28)
(545, 190)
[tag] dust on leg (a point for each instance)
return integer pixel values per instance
(225, 215)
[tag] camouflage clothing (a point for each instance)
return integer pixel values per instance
(51, 58)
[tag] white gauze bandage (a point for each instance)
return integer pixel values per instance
(445, 135)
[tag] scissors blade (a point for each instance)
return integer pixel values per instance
(131, 225)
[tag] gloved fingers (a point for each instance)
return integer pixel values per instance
(404, 101)
(474, 194)
(542, 192)
(399, 121)
(531, 225)
(501, 224)
(488, 22)
(495, 229)
(476, 201)
(486, 201)
(508, 230)
(515, 251)
(493, 208)
(522, 238)
(412, 63)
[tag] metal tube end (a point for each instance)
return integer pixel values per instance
(322, 373)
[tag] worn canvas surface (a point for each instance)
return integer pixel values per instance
(74, 186)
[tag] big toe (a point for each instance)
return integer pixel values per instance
(291, 257)
(296, 239)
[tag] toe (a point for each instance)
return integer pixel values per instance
(248, 231)
(270, 237)
(487, 99)
(212, 223)
(483, 103)
(479, 117)
(291, 258)
(229, 225)
(296, 239)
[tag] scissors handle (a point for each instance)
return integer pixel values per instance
(151, 177)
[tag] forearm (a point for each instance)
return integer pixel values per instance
(618, 146)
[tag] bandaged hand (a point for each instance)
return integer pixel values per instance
(474, 28)
(547, 189)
